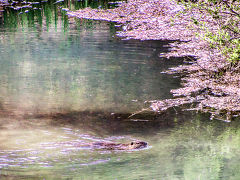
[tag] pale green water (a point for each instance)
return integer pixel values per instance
(78, 66)
(50, 64)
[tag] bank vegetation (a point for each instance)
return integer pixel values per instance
(206, 32)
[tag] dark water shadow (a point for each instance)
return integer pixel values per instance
(105, 124)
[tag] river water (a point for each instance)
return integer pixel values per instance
(65, 82)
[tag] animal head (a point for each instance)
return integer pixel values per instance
(137, 145)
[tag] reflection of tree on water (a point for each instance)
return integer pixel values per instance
(1, 14)
(56, 67)
(2, 4)
(85, 69)
(27, 13)
(209, 147)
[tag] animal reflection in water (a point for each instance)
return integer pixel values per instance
(135, 145)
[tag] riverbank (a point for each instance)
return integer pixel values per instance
(206, 82)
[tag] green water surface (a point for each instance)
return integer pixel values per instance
(65, 82)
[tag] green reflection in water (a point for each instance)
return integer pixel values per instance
(34, 13)
(190, 148)
(52, 63)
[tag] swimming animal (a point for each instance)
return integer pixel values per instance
(119, 146)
